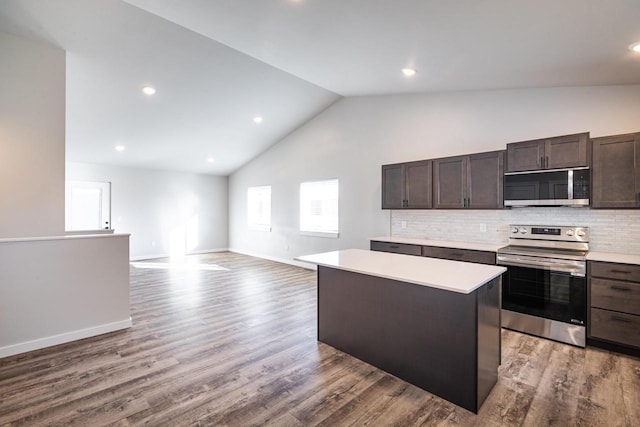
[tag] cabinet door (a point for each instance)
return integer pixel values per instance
(485, 180)
(567, 151)
(450, 182)
(616, 295)
(393, 195)
(398, 248)
(619, 328)
(616, 175)
(454, 254)
(418, 187)
(525, 156)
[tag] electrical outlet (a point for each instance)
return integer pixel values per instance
(403, 224)
(483, 228)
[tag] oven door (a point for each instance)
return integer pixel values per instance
(539, 292)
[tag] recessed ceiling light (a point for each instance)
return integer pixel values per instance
(149, 90)
(257, 119)
(635, 47)
(210, 159)
(409, 72)
(120, 148)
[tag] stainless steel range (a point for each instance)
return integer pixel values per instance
(544, 291)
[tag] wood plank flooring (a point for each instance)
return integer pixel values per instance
(238, 347)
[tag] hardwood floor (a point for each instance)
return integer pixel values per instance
(237, 346)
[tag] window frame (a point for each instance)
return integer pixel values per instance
(258, 226)
(320, 233)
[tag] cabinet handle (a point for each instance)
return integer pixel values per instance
(394, 247)
(620, 319)
(541, 162)
(546, 162)
(620, 288)
(621, 271)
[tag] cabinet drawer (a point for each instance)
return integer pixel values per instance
(610, 270)
(616, 327)
(615, 295)
(466, 255)
(398, 248)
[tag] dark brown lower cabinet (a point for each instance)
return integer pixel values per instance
(481, 257)
(614, 306)
(453, 254)
(396, 248)
(445, 342)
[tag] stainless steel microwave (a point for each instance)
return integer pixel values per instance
(550, 187)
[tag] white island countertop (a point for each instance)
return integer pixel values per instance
(456, 276)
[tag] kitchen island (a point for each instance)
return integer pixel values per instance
(431, 322)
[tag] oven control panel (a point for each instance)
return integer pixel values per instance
(543, 232)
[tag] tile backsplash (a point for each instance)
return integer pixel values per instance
(611, 230)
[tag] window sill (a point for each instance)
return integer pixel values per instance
(320, 234)
(260, 228)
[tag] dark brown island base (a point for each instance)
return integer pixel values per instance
(433, 323)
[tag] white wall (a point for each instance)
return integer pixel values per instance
(163, 210)
(32, 138)
(58, 289)
(355, 136)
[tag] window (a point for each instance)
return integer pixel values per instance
(259, 208)
(88, 205)
(319, 208)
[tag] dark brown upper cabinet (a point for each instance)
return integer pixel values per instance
(566, 151)
(474, 181)
(616, 171)
(407, 185)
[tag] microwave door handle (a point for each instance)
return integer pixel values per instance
(570, 185)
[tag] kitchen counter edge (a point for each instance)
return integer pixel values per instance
(455, 276)
(487, 247)
(613, 257)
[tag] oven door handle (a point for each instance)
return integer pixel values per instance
(542, 265)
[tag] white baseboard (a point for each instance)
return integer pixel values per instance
(24, 347)
(276, 259)
(156, 256)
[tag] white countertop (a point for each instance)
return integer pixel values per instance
(488, 247)
(613, 257)
(491, 247)
(456, 276)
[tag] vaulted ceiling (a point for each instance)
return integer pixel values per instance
(218, 64)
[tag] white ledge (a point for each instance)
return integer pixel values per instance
(67, 237)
